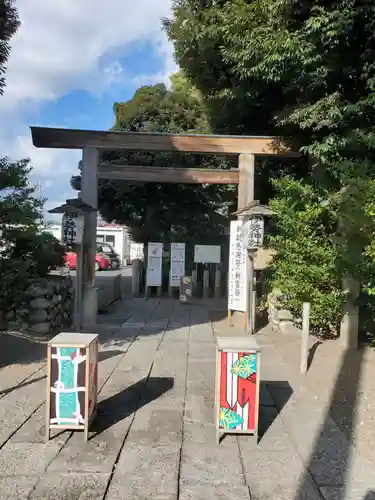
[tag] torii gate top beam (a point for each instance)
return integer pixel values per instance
(59, 138)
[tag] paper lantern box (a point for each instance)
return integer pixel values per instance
(237, 386)
(72, 381)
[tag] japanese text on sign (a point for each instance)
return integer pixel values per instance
(237, 283)
(253, 232)
(177, 263)
(72, 229)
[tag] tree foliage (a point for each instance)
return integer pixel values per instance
(9, 24)
(304, 70)
(152, 210)
(26, 251)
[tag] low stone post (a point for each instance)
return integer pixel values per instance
(206, 284)
(194, 282)
(305, 337)
(217, 283)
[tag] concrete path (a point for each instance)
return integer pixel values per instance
(154, 437)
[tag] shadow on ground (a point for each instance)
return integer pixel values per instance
(273, 396)
(331, 455)
(312, 352)
(123, 404)
(19, 350)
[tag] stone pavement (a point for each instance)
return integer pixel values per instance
(154, 436)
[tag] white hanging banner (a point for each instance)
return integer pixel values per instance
(154, 264)
(207, 254)
(177, 270)
(237, 282)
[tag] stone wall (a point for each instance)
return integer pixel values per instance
(47, 304)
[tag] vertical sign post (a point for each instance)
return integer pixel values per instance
(237, 283)
(177, 270)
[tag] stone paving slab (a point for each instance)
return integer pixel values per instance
(145, 472)
(20, 489)
(155, 435)
(71, 486)
(277, 475)
(14, 376)
(222, 491)
(27, 459)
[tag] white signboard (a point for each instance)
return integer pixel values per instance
(136, 251)
(177, 270)
(154, 264)
(155, 250)
(72, 228)
(207, 254)
(237, 282)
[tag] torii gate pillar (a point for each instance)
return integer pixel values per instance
(246, 165)
(85, 285)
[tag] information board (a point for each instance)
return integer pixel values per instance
(177, 264)
(237, 282)
(207, 254)
(154, 264)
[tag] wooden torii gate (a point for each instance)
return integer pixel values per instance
(91, 142)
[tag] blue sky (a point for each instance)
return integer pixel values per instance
(70, 62)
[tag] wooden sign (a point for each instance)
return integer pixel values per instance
(72, 382)
(237, 386)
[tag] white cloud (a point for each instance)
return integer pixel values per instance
(66, 45)
(165, 51)
(47, 164)
(52, 168)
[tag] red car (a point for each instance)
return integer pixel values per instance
(102, 261)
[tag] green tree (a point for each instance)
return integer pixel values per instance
(151, 210)
(9, 24)
(305, 71)
(26, 251)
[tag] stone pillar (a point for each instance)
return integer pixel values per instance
(194, 282)
(136, 277)
(206, 284)
(89, 195)
(217, 283)
(350, 313)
